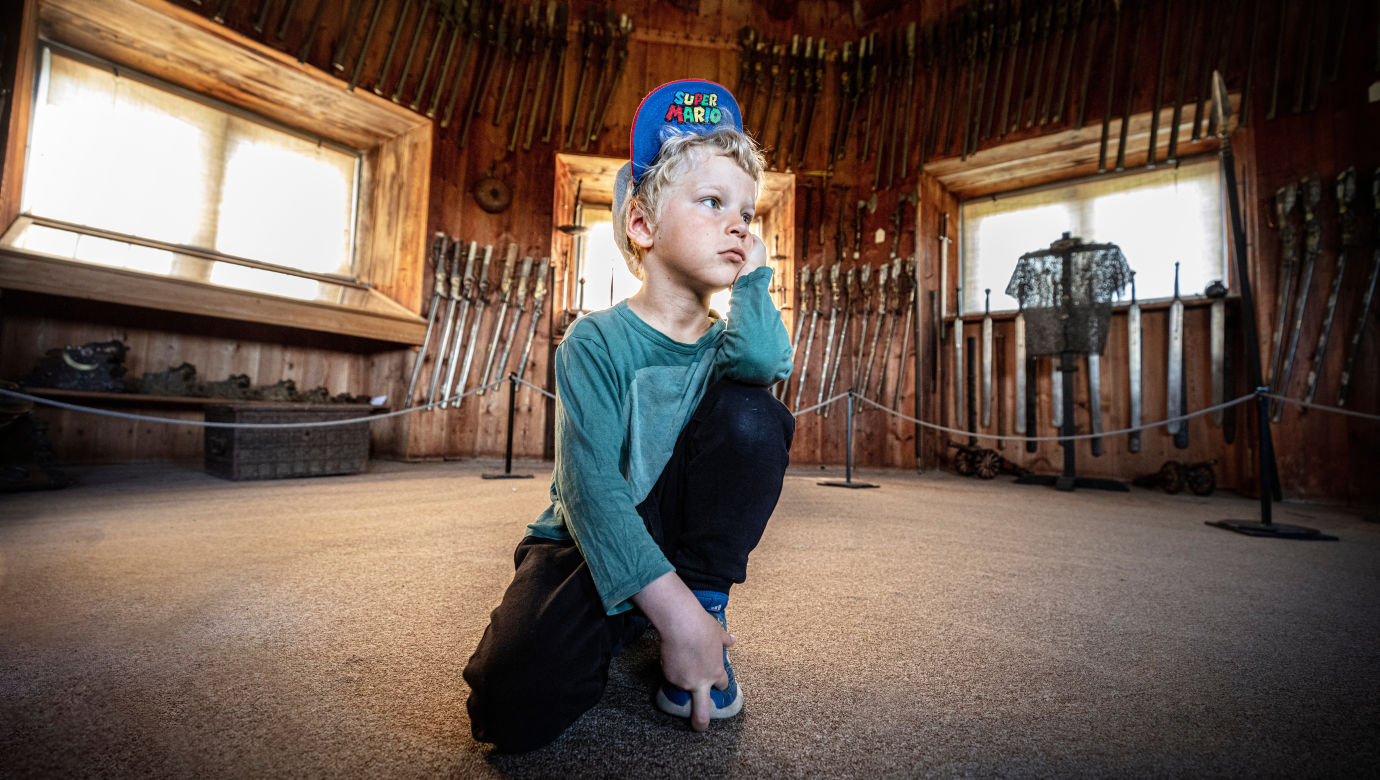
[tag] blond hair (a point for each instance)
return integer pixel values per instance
(670, 163)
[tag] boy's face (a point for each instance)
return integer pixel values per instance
(701, 240)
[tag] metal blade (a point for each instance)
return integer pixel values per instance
(1217, 348)
(1056, 397)
(1095, 401)
(987, 369)
(1133, 338)
(1020, 372)
(958, 373)
(1175, 372)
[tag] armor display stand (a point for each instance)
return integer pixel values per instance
(1068, 317)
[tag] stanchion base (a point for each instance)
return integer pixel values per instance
(1061, 482)
(846, 484)
(1273, 530)
(505, 476)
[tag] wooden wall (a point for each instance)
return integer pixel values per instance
(669, 42)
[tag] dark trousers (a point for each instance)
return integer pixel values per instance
(544, 658)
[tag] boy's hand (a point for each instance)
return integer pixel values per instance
(756, 256)
(692, 642)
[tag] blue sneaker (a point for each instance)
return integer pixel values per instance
(723, 704)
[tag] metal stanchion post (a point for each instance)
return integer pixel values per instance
(508, 454)
(848, 457)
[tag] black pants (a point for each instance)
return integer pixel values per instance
(544, 658)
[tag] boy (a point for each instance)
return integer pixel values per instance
(670, 451)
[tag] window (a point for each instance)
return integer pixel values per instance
(1157, 218)
(128, 172)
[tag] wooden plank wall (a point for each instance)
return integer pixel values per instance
(669, 43)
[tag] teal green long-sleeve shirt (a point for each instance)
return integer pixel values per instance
(624, 391)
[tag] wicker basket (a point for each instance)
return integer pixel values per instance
(277, 453)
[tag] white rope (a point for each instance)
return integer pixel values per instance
(825, 402)
(1310, 405)
(1076, 437)
(541, 390)
(205, 424)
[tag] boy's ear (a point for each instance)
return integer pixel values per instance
(640, 228)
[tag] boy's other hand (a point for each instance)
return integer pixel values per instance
(692, 642)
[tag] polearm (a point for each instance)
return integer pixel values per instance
(1075, 23)
(1269, 475)
(908, 104)
(1000, 43)
(448, 324)
(351, 19)
(816, 89)
(1045, 26)
(845, 82)
(1014, 36)
(453, 349)
(1111, 89)
(505, 293)
(1095, 21)
(498, 39)
(792, 76)
(588, 31)
(1061, 23)
(552, 41)
(538, 307)
(600, 108)
(538, 38)
(443, 21)
(1346, 215)
(524, 30)
(438, 291)
(517, 316)
(1171, 156)
(392, 47)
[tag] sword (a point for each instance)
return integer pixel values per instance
(481, 296)
(1312, 193)
(1095, 401)
(883, 271)
(1056, 375)
(1032, 408)
(1174, 394)
(438, 291)
(850, 286)
(803, 286)
(893, 313)
(1133, 352)
(449, 323)
(810, 338)
(910, 302)
(453, 350)
(1359, 330)
(987, 361)
(958, 371)
(538, 304)
(505, 293)
(1346, 215)
(1019, 327)
(517, 315)
(865, 300)
(1285, 200)
(835, 295)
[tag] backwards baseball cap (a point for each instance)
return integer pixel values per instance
(676, 107)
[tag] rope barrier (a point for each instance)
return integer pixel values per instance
(205, 424)
(541, 390)
(1310, 405)
(825, 402)
(807, 410)
(1075, 437)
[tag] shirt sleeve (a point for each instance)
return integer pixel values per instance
(591, 490)
(756, 349)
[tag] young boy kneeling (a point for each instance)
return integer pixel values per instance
(670, 451)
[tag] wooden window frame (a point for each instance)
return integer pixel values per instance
(187, 50)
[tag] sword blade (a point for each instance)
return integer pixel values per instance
(1095, 401)
(1056, 396)
(1133, 339)
(987, 371)
(1174, 390)
(1217, 349)
(1020, 371)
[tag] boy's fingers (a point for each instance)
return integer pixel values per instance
(699, 709)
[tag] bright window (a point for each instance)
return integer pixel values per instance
(127, 172)
(1156, 217)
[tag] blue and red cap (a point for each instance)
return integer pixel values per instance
(688, 105)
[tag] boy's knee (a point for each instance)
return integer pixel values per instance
(754, 422)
